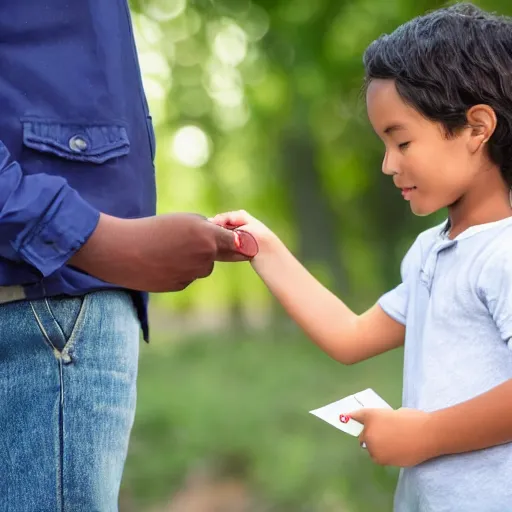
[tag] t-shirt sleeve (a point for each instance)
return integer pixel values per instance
(394, 303)
(496, 291)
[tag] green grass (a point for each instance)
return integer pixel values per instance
(240, 407)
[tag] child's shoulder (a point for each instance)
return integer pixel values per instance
(497, 240)
(496, 248)
(491, 254)
(494, 263)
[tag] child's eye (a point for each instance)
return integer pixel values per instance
(404, 145)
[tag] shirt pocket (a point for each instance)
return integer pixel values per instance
(80, 142)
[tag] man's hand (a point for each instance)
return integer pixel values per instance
(396, 438)
(158, 254)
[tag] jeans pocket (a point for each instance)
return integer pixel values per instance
(58, 318)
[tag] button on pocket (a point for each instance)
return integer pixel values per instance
(77, 143)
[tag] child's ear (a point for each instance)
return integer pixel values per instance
(482, 122)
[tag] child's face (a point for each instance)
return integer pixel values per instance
(432, 171)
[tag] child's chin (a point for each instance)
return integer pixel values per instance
(421, 210)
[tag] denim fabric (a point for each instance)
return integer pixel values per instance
(68, 369)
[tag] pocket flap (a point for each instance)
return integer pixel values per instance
(94, 143)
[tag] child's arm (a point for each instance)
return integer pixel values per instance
(481, 422)
(335, 328)
(407, 437)
(338, 331)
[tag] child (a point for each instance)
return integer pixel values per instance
(439, 95)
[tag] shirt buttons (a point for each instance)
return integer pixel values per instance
(78, 144)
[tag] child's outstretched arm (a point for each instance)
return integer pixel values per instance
(337, 330)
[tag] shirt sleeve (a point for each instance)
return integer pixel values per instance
(496, 291)
(43, 221)
(394, 303)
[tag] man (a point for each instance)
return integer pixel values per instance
(80, 246)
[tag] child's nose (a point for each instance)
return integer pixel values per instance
(389, 164)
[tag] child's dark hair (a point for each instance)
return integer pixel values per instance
(445, 62)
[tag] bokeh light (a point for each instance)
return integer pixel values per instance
(191, 146)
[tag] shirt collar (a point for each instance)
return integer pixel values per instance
(473, 230)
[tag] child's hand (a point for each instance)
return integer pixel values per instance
(242, 220)
(396, 438)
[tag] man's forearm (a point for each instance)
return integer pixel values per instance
(111, 253)
(157, 254)
(481, 422)
(149, 254)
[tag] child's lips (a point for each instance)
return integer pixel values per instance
(407, 191)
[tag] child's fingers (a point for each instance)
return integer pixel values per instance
(223, 220)
(231, 220)
(362, 439)
(360, 415)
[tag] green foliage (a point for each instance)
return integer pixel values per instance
(240, 408)
(258, 105)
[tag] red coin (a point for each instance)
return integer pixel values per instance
(246, 243)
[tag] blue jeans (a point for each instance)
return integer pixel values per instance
(68, 369)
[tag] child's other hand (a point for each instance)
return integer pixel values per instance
(396, 438)
(242, 220)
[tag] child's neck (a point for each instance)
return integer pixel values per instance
(483, 204)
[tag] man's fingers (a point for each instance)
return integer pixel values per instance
(206, 272)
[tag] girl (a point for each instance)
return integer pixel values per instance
(439, 95)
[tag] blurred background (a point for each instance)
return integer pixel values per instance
(257, 104)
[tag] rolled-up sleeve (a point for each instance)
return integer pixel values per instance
(43, 221)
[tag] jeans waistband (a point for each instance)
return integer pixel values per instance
(11, 294)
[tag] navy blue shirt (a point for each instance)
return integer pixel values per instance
(76, 138)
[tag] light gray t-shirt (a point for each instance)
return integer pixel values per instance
(455, 300)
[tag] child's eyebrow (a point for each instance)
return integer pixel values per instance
(394, 128)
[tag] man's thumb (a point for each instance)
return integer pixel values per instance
(246, 243)
(235, 245)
